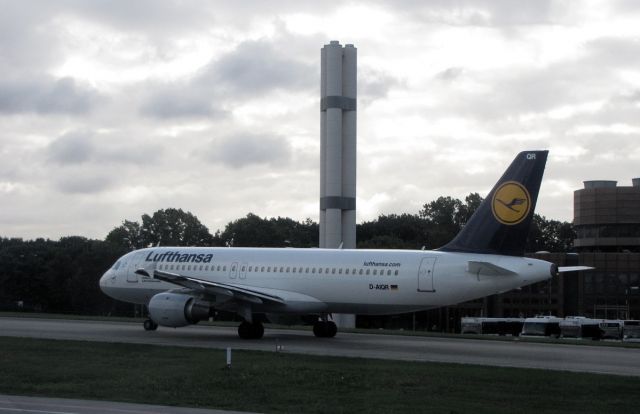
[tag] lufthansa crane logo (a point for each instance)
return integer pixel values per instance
(511, 203)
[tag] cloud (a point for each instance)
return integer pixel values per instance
(46, 96)
(480, 12)
(255, 67)
(72, 148)
(243, 150)
(83, 182)
(249, 71)
(104, 149)
(181, 101)
(621, 52)
(375, 84)
(450, 74)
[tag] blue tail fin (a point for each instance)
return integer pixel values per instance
(501, 224)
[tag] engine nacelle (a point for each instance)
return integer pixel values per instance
(175, 310)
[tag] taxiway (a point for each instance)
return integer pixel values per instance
(521, 354)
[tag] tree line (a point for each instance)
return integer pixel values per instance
(62, 276)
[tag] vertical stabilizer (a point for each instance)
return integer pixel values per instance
(501, 224)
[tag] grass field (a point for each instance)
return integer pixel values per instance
(271, 382)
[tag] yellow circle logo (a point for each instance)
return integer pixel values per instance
(511, 203)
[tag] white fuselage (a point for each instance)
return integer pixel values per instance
(326, 280)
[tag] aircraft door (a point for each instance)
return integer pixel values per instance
(135, 263)
(425, 275)
(233, 273)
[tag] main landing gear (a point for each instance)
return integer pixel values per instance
(248, 330)
(150, 325)
(325, 329)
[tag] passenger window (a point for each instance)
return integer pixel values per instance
(243, 268)
(346, 271)
(224, 268)
(340, 271)
(319, 270)
(333, 271)
(314, 270)
(326, 270)
(368, 271)
(281, 269)
(375, 272)
(396, 273)
(288, 269)
(250, 268)
(218, 268)
(361, 271)
(388, 272)
(306, 270)
(262, 269)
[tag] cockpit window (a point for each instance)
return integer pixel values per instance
(117, 265)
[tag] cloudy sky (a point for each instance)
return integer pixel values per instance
(112, 109)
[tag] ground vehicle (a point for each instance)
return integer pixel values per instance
(496, 326)
(580, 327)
(542, 326)
(631, 330)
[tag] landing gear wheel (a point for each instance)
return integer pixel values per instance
(150, 325)
(248, 330)
(332, 329)
(325, 329)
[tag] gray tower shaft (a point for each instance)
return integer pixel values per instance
(338, 89)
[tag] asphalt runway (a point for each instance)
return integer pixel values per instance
(11, 404)
(578, 358)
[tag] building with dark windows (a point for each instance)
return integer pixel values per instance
(607, 224)
(607, 217)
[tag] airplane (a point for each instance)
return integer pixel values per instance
(184, 285)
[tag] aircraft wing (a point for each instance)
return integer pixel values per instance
(251, 295)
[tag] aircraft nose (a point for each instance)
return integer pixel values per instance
(103, 280)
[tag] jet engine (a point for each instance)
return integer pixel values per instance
(175, 309)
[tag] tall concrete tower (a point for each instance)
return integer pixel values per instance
(338, 91)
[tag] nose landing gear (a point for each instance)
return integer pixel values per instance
(150, 325)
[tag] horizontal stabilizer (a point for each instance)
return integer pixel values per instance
(565, 269)
(487, 269)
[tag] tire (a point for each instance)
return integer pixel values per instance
(244, 330)
(149, 325)
(257, 330)
(318, 330)
(331, 329)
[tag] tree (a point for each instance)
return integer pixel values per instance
(393, 231)
(446, 216)
(253, 230)
(170, 227)
(550, 235)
